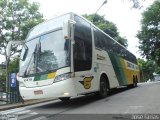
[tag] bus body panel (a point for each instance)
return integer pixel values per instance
(104, 65)
(130, 70)
(124, 74)
(85, 76)
(86, 82)
(56, 90)
(43, 79)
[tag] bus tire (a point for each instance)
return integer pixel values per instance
(64, 98)
(135, 81)
(104, 88)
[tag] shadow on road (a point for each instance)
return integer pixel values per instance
(72, 103)
(119, 90)
(82, 100)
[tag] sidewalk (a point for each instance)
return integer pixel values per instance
(26, 103)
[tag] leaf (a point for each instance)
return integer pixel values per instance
(149, 35)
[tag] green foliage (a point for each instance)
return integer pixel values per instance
(149, 36)
(17, 18)
(108, 27)
(2, 83)
(137, 4)
(147, 69)
(2, 78)
(14, 66)
(157, 69)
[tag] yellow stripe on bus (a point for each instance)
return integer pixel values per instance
(51, 75)
(129, 73)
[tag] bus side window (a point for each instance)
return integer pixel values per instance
(98, 39)
(79, 47)
(83, 45)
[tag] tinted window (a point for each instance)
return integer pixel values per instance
(83, 45)
(97, 39)
(104, 42)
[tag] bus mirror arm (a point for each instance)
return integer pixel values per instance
(10, 45)
(67, 25)
(72, 23)
(8, 49)
(72, 42)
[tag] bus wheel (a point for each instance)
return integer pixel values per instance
(104, 88)
(134, 82)
(64, 98)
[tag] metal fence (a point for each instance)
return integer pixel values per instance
(10, 97)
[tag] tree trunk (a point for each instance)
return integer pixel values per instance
(7, 75)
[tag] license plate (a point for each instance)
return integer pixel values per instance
(37, 92)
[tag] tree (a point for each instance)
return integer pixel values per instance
(149, 35)
(17, 17)
(137, 3)
(147, 69)
(13, 65)
(107, 26)
(2, 77)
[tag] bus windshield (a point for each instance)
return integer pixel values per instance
(47, 52)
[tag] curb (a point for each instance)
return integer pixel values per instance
(18, 105)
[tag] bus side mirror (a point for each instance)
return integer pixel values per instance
(66, 28)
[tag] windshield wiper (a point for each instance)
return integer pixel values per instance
(26, 72)
(29, 63)
(38, 56)
(35, 56)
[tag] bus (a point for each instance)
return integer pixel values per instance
(68, 56)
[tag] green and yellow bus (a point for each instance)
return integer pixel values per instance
(68, 56)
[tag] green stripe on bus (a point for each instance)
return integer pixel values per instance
(121, 69)
(43, 77)
(37, 78)
(118, 69)
(40, 77)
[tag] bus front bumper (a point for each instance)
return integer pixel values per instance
(56, 90)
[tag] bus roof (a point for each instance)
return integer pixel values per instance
(47, 26)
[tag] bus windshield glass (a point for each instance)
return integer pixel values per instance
(46, 53)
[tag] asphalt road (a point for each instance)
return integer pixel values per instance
(142, 102)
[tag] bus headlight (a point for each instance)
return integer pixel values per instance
(21, 84)
(62, 77)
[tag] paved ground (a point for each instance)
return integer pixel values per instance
(121, 104)
(2, 103)
(26, 103)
